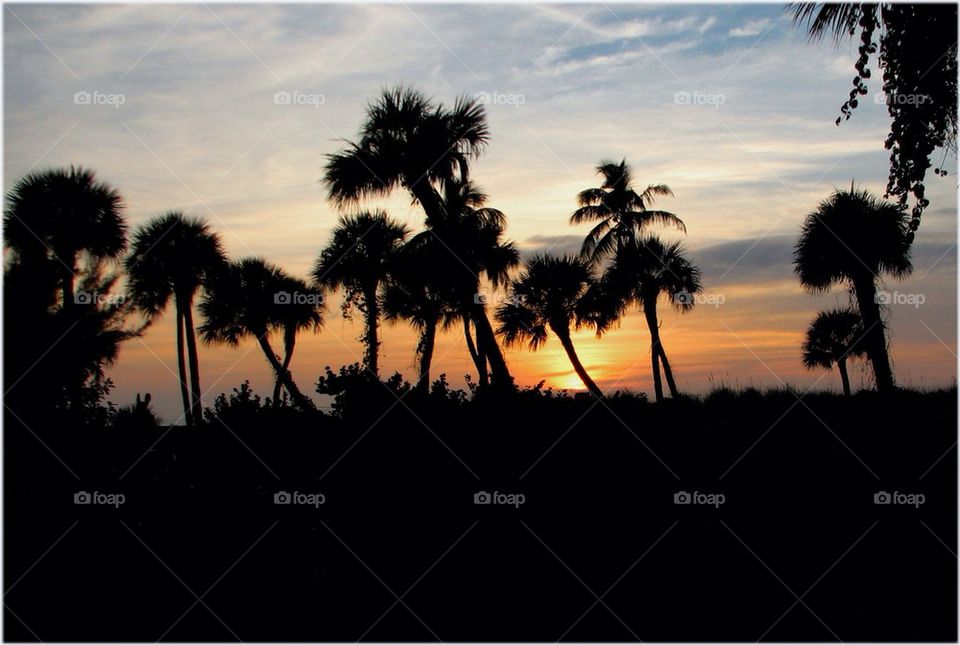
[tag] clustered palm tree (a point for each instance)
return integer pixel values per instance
(852, 239)
(64, 227)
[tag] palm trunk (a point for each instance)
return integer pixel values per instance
(67, 279)
(650, 313)
(668, 373)
(500, 378)
(282, 375)
(289, 341)
(875, 342)
(371, 337)
(425, 349)
(480, 363)
(567, 342)
(182, 366)
(194, 359)
(844, 379)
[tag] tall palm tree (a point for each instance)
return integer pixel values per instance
(620, 211)
(852, 239)
(247, 298)
(301, 308)
(415, 293)
(832, 338)
(170, 257)
(640, 275)
(546, 296)
(61, 214)
(357, 259)
(408, 142)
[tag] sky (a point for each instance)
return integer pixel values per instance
(227, 112)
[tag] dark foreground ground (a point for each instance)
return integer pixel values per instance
(598, 551)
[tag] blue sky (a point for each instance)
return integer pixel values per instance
(728, 104)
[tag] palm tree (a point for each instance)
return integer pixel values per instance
(620, 212)
(61, 214)
(852, 238)
(247, 298)
(415, 293)
(357, 259)
(301, 309)
(832, 338)
(170, 258)
(640, 275)
(546, 295)
(408, 142)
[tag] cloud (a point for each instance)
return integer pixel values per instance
(749, 28)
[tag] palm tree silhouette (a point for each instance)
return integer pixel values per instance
(469, 247)
(300, 310)
(639, 274)
(170, 258)
(852, 238)
(247, 298)
(357, 259)
(408, 142)
(622, 213)
(414, 292)
(832, 338)
(546, 295)
(61, 214)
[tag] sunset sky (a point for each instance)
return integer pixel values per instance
(728, 105)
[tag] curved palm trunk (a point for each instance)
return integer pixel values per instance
(479, 363)
(289, 341)
(567, 342)
(282, 375)
(668, 373)
(425, 349)
(371, 339)
(875, 343)
(194, 359)
(844, 379)
(650, 313)
(182, 367)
